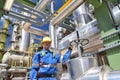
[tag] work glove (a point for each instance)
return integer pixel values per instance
(69, 48)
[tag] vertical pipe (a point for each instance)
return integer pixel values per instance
(53, 36)
(14, 35)
(3, 37)
(25, 40)
(52, 31)
(81, 15)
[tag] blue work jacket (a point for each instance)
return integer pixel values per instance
(47, 58)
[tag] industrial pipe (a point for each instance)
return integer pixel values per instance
(14, 35)
(36, 31)
(3, 35)
(64, 6)
(41, 7)
(67, 11)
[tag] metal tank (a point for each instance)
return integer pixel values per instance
(80, 65)
(15, 58)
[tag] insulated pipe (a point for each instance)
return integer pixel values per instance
(15, 58)
(42, 4)
(41, 7)
(65, 5)
(25, 41)
(36, 31)
(14, 34)
(3, 35)
(81, 15)
(67, 11)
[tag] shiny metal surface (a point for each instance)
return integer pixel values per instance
(116, 13)
(18, 78)
(14, 35)
(27, 26)
(52, 34)
(92, 74)
(81, 15)
(85, 32)
(25, 41)
(80, 65)
(112, 75)
(95, 73)
(16, 59)
(67, 11)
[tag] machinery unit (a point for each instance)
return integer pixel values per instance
(91, 27)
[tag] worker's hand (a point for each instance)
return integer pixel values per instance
(38, 73)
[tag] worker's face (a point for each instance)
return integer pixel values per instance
(46, 45)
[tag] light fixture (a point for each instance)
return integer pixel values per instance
(8, 5)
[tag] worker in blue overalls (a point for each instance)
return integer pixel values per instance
(44, 62)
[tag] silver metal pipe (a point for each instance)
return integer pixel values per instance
(81, 15)
(53, 36)
(112, 75)
(14, 35)
(25, 18)
(52, 31)
(41, 5)
(67, 11)
(116, 13)
(27, 26)
(25, 40)
(18, 78)
(35, 30)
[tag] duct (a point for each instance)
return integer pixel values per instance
(40, 7)
(67, 11)
(15, 58)
(84, 64)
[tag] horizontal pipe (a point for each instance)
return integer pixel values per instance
(67, 11)
(66, 4)
(41, 6)
(35, 30)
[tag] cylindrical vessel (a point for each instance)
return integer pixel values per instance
(15, 58)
